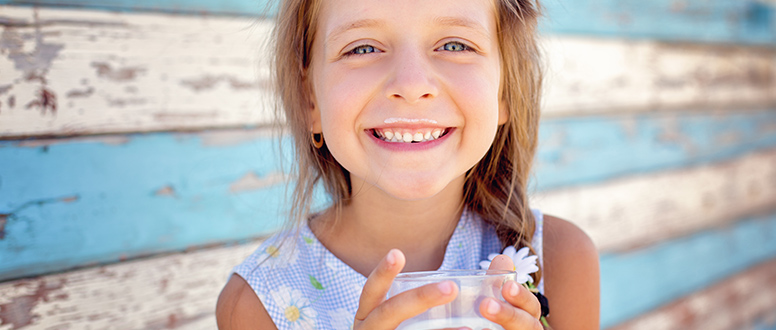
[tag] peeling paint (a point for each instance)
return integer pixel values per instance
(5, 217)
(105, 70)
(3, 221)
(40, 59)
(76, 93)
(46, 101)
(250, 181)
(165, 191)
(19, 311)
(208, 82)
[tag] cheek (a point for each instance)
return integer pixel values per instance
(343, 94)
(476, 91)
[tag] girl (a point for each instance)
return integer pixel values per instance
(420, 118)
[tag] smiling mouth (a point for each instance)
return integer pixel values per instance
(409, 136)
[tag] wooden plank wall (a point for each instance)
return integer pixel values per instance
(137, 164)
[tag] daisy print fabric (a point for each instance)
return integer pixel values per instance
(302, 285)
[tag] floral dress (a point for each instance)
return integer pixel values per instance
(304, 286)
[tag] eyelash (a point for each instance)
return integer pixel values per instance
(355, 50)
(465, 47)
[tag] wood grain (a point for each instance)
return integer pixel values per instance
(79, 72)
(639, 210)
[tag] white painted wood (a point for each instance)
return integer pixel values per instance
(128, 72)
(122, 72)
(733, 304)
(176, 291)
(587, 75)
(640, 210)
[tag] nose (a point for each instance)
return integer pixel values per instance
(413, 78)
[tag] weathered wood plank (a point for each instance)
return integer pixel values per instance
(639, 281)
(639, 210)
(176, 291)
(750, 21)
(586, 75)
(179, 290)
(81, 72)
(134, 195)
(584, 150)
(705, 20)
(77, 202)
(742, 301)
(74, 72)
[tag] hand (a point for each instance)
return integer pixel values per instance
(521, 309)
(375, 312)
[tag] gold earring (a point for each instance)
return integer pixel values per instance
(317, 140)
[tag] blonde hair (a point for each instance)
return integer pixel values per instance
(495, 188)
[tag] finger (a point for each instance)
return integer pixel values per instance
(522, 298)
(378, 283)
(410, 303)
(502, 262)
(509, 317)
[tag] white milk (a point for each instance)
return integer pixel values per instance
(474, 323)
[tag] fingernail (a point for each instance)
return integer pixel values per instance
(391, 258)
(493, 307)
(445, 288)
(513, 289)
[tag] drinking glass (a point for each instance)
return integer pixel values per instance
(473, 287)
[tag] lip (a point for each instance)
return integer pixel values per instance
(420, 146)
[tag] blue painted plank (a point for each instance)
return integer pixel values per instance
(575, 151)
(79, 202)
(224, 7)
(636, 282)
(740, 21)
(84, 202)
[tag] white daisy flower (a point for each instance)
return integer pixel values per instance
(297, 309)
(525, 265)
(279, 255)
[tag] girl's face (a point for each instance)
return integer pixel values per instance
(384, 73)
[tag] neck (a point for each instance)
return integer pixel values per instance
(373, 223)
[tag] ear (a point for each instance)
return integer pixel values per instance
(315, 118)
(312, 109)
(503, 113)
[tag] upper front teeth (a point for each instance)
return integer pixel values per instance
(408, 136)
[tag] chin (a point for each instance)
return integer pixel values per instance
(415, 190)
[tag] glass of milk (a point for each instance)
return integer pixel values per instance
(473, 287)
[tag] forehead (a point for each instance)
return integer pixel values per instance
(338, 15)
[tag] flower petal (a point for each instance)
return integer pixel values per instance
(523, 278)
(523, 252)
(484, 264)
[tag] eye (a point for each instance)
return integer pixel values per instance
(362, 50)
(454, 46)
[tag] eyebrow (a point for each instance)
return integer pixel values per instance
(455, 21)
(458, 21)
(445, 21)
(358, 24)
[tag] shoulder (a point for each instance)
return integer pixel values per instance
(571, 274)
(563, 239)
(238, 307)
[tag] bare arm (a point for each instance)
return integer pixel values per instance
(571, 274)
(238, 307)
